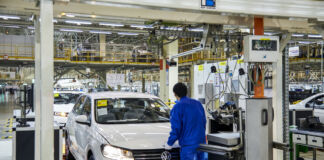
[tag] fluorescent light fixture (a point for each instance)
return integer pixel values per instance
(77, 22)
(70, 15)
(31, 27)
(297, 19)
(100, 32)
(196, 29)
(245, 30)
(6, 17)
(111, 24)
(305, 42)
(268, 33)
(173, 28)
(127, 34)
(141, 26)
(314, 36)
(297, 35)
(71, 30)
(11, 26)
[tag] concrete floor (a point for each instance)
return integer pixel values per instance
(7, 105)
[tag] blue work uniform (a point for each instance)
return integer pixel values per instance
(188, 125)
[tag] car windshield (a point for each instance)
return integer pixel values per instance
(65, 98)
(131, 110)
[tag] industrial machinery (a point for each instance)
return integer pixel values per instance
(23, 131)
(228, 101)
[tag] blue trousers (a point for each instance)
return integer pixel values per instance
(191, 153)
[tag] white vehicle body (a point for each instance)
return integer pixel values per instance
(95, 140)
(61, 111)
(310, 103)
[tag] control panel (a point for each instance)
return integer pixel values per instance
(261, 48)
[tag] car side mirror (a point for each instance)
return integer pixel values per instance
(307, 105)
(82, 119)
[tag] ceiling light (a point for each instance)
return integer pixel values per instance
(269, 33)
(305, 42)
(93, 16)
(6, 17)
(141, 26)
(314, 36)
(100, 32)
(111, 24)
(173, 28)
(196, 29)
(297, 19)
(77, 22)
(127, 33)
(31, 27)
(11, 26)
(70, 15)
(297, 35)
(71, 30)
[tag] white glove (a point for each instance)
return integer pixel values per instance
(167, 147)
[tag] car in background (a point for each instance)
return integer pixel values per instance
(63, 104)
(316, 101)
(119, 126)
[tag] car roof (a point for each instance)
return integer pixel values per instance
(114, 94)
(71, 91)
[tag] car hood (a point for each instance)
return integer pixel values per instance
(63, 107)
(136, 136)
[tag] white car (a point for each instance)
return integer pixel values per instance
(316, 101)
(63, 104)
(119, 126)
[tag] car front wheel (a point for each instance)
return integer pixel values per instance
(68, 154)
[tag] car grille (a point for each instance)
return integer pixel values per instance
(155, 154)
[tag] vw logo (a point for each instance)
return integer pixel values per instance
(166, 155)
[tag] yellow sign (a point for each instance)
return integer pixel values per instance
(56, 95)
(102, 103)
(239, 61)
(265, 39)
(200, 67)
(222, 63)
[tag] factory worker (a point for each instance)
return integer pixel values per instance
(188, 125)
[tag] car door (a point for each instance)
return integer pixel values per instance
(318, 104)
(72, 126)
(83, 133)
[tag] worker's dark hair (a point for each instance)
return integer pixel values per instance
(180, 90)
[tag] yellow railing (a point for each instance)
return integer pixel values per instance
(21, 52)
(304, 59)
(199, 56)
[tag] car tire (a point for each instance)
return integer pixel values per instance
(91, 158)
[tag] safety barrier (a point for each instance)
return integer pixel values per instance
(23, 52)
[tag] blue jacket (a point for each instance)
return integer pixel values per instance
(188, 123)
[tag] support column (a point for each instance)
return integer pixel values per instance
(277, 99)
(171, 50)
(46, 77)
(192, 80)
(102, 40)
(277, 106)
(37, 87)
(163, 80)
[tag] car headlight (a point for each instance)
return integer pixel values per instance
(61, 114)
(116, 153)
